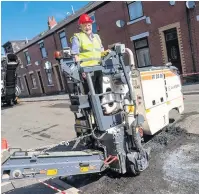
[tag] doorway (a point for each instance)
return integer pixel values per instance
(59, 77)
(41, 82)
(27, 86)
(172, 47)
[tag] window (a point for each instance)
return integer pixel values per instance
(21, 86)
(142, 52)
(62, 36)
(49, 76)
(27, 56)
(33, 80)
(171, 34)
(94, 25)
(43, 50)
(135, 9)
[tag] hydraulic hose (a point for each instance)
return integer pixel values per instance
(132, 98)
(100, 137)
(131, 57)
(134, 135)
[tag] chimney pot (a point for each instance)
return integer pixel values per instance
(51, 22)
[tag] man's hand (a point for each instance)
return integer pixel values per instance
(76, 58)
(104, 53)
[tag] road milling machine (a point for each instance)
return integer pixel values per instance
(110, 125)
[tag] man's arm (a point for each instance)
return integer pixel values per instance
(75, 48)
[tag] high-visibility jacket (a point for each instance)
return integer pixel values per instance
(90, 51)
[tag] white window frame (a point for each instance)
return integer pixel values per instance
(137, 18)
(40, 48)
(137, 49)
(60, 38)
(27, 62)
(139, 36)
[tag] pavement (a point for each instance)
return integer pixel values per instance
(173, 165)
(59, 97)
(33, 125)
(188, 89)
(29, 125)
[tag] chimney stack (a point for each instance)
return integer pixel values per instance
(51, 22)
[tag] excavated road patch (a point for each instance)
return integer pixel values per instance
(174, 168)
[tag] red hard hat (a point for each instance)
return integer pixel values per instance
(84, 18)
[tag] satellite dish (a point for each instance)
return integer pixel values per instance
(190, 4)
(172, 2)
(120, 23)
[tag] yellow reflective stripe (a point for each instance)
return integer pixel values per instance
(90, 63)
(90, 52)
(98, 50)
(91, 59)
(95, 49)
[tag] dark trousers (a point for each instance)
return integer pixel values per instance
(97, 83)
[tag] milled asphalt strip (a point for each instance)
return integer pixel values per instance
(168, 126)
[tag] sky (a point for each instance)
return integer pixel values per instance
(26, 19)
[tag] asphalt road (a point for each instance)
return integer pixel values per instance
(174, 164)
(34, 124)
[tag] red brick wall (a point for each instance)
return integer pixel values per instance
(160, 13)
(195, 33)
(106, 18)
(35, 54)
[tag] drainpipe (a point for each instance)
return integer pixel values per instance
(190, 38)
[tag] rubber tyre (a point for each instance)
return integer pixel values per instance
(131, 169)
(10, 103)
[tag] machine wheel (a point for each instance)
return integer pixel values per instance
(137, 162)
(132, 169)
(15, 101)
(10, 103)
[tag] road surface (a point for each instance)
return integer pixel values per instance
(174, 163)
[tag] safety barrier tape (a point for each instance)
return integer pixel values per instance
(54, 188)
(186, 74)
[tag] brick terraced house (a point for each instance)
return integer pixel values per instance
(157, 32)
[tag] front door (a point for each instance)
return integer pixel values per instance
(173, 52)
